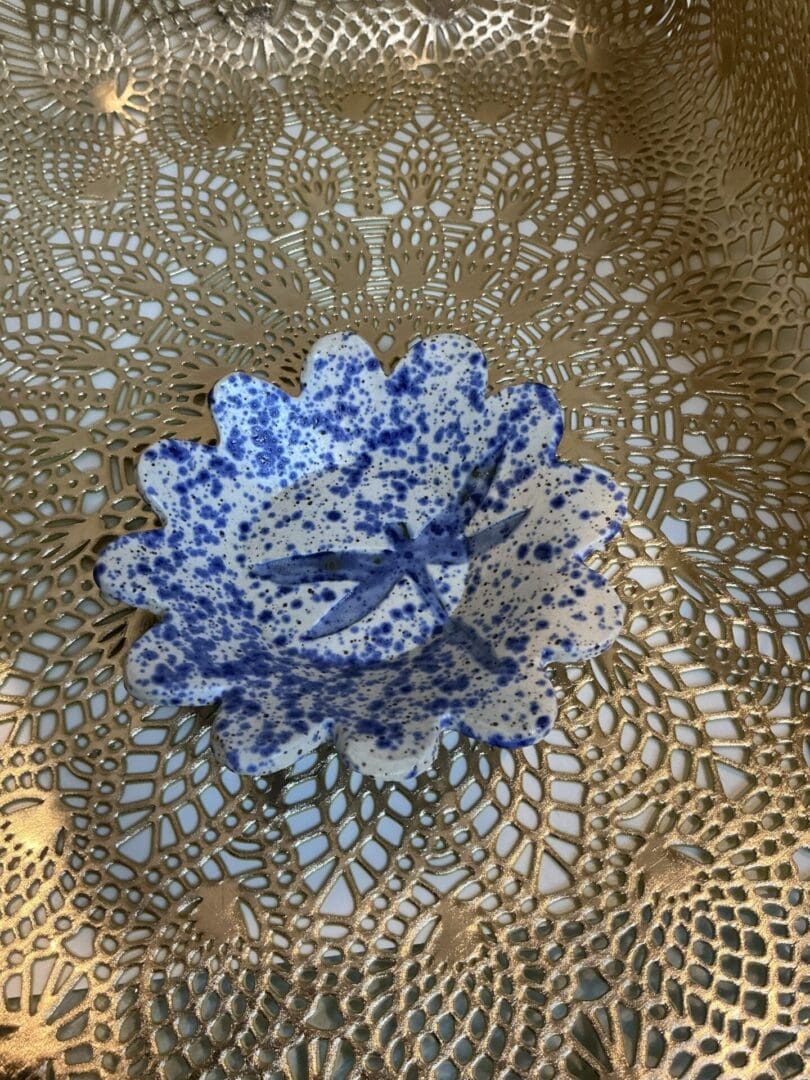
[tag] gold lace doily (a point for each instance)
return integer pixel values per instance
(611, 196)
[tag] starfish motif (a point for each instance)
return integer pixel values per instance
(442, 542)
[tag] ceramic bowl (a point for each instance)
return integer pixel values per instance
(372, 562)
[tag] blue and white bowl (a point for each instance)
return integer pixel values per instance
(372, 562)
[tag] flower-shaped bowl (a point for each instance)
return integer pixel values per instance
(373, 561)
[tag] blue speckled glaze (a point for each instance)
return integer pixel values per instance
(370, 562)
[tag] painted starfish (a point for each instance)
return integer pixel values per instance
(442, 542)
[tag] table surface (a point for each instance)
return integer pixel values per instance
(611, 198)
